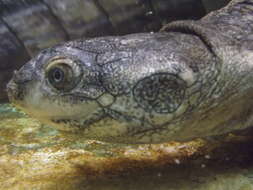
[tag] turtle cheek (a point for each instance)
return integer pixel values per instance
(68, 110)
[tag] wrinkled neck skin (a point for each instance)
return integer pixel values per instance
(192, 79)
(235, 20)
(228, 33)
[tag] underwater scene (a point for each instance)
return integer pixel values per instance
(126, 95)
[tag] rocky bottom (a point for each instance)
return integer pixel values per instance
(35, 156)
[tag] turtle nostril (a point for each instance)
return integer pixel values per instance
(20, 77)
(17, 77)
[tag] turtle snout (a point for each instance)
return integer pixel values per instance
(21, 76)
(16, 86)
(14, 91)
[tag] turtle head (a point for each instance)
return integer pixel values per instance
(61, 84)
(122, 89)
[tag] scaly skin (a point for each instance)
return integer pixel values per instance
(192, 79)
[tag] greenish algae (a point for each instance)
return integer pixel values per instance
(37, 156)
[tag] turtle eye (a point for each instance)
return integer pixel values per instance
(60, 76)
(63, 73)
(57, 75)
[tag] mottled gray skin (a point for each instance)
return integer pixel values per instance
(192, 79)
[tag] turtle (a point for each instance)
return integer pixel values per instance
(191, 79)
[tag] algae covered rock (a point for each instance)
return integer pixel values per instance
(35, 156)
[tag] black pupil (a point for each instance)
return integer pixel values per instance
(58, 75)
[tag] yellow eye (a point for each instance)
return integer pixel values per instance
(63, 73)
(60, 76)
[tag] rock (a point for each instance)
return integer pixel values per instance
(35, 156)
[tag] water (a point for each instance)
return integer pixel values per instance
(36, 156)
